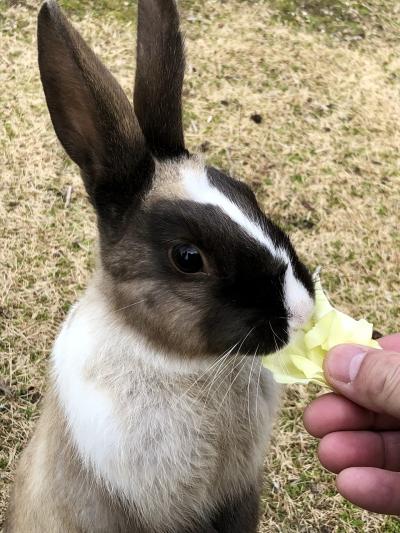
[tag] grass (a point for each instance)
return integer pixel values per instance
(347, 19)
(323, 159)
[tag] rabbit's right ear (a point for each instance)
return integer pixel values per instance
(91, 114)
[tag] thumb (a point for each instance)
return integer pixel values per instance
(368, 377)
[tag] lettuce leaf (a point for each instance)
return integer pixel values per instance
(302, 360)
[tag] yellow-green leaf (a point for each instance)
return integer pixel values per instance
(302, 360)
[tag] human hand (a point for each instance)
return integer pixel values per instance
(359, 424)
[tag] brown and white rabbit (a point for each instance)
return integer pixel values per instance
(159, 413)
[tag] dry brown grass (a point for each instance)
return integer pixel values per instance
(324, 161)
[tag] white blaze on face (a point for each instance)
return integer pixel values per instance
(298, 301)
(198, 188)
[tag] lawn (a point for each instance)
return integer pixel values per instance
(301, 100)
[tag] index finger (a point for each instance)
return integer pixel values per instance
(332, 412)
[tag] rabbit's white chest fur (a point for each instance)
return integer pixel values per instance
(167, 436)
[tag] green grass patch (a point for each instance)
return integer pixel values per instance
(345, 18)
(124, 11)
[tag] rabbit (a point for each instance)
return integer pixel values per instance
(158, 413)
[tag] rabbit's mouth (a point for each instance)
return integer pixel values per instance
(268, 336)
(277, 335)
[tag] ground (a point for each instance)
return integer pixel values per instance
(301, 100)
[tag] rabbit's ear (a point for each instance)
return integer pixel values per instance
(91, 114)
(159, 77)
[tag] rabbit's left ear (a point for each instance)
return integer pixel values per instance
(159, 77)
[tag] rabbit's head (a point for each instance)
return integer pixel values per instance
(187, 255)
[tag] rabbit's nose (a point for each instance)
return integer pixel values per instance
(299, 319)
(298, 301)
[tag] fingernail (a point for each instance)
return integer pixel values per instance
(343, 362)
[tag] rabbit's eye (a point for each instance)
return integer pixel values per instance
(186, 258)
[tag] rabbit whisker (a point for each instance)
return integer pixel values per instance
(258, 387)
(248, 394)
(226, 366)
(216, 363)
(225, 362)
(237, 353)
(130, 305)
(243, 360)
